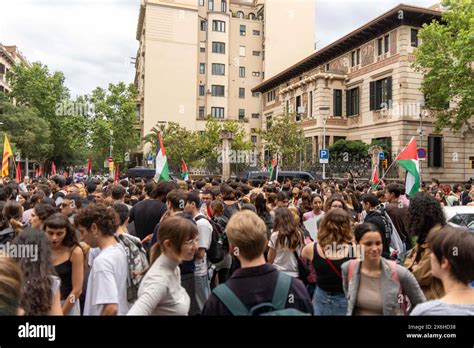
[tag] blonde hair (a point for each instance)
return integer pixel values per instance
(335, 228)
(247, 232)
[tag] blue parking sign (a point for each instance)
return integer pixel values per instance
(324, 153)
(382, 156)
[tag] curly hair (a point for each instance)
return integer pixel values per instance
(424, 212)
(36, 295)
(335, 228)
(289, 234)
(107, 220)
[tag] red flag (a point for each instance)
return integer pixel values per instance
(116, 173)
(374, 181)
(36, 172)
(40, 172)
(66, 174)
(89, 168)
(53, 169)
(18, 172)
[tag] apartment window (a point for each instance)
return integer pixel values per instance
(202, 112)
(203, 25)
(201, 2)
(337, 102)
(269, 122)
(251, 16)
(202, 90)
(218, 26)
(218, 47)
(310, 102)
(217, 91)
(256, 32)
(202, 68)
(254, 140)
(271, 95)
(381, 94)
(240, 15)
(352, 101)
(241, 114)
(435, 151)
(327, 67)
(298, 110)
(379, 46)
(2, 69)
(224, 6)
(241, 71)
(218, 69)
(256, 53)
(287, 107)
(217, 112)
(358, 56)
(256, 94)
(353, 58)
(243, 30)
(210, 5)
(414, 38)
(255, 115)
(386, 43)
(202, 49)
(241, 93)
(242, 51)
(256, 74)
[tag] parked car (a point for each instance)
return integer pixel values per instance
(460, 216)
(282, 175)
(147, 173)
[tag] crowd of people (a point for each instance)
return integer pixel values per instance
(240, 247)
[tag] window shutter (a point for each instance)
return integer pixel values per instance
(372, 95)
(348, 103)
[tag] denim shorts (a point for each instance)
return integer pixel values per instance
(326, 303)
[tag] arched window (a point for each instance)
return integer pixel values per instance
(251, 16)
(240, 14)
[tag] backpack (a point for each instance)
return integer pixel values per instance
(7, 235)
(274, 308)
(402, 299)
(137, 264)
(230, 210)
(394, 239)
(219, 243)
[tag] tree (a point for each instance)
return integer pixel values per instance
(114, 110)
(446, 57)
(353, 150)
(27, 132)
(38, 88)
(284, 137)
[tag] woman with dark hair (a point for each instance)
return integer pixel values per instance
(40, 294)
(374, 285)
(286, 242)
(11, 282)
(332, 249)
(24, 199)
(441, 198)
(12, 213)
(316, 212)
(334, 202)
(263, 212)
(68, 261)
(426, 217)
(39, 215)
(160, 291)
(35, 199)
(452, 261)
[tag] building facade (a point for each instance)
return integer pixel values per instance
(9, 57)
(363, 87)
(203, 57)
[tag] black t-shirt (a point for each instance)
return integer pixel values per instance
(328, 280)
(146, 215)
(256, 285)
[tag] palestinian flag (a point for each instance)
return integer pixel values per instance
(274, 170)
(184, 171)
(89, 168)
(374, 180)
(162, 172)
(408, 159)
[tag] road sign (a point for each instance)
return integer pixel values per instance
(382, 156)
(149, 157)
(324, 156)
(422, 153)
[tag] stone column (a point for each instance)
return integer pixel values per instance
(226, 137)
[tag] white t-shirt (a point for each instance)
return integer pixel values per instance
(108, 281)
(285, 260)
(205, 238)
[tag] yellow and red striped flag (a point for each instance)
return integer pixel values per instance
(7, 153)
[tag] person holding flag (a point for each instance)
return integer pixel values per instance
(7, 153)
(274, 170)
(408, 159)
(89, 168)
(162, 172)
(374, 180)
(184, 171)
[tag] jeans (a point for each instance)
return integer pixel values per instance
(203, 290)
(187, 282)
(326, 303)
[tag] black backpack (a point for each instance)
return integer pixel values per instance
(219, 243)
(7, 235)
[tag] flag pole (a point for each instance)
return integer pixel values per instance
(388, 169)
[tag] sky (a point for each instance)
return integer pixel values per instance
(92, 41)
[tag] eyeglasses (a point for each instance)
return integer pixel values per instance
(191, 242)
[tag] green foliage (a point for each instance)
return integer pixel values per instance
(286, 138)
(446, 57)
(356, 149)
